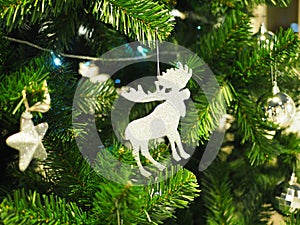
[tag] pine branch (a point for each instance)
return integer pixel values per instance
(28, 207)
(292, 143)
(177, 192)
(94, 97)
(217, 196)
(138, 19)
(249, 116)
(145, 21)
(62, 82)
(253, 133)
(221, 47)
(127, 204)
(70, 175)
(208, 115)
(11, 86)
(117, 204)
(253, 188)
(254, 64)
(15, 15)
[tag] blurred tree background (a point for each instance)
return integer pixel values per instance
(47, 39)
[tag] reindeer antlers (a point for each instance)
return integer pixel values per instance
(176, 76)
(175, 79)
(139, 95)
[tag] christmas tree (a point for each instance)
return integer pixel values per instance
(65, 153)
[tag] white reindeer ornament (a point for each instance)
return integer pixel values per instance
(164, 120)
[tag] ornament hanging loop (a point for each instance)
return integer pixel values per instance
(274, 75)
(25, 101)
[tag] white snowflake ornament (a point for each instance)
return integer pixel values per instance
(28, 141)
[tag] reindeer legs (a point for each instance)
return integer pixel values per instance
(173, 148)
(182, 153)
(136, 155)
(145, 152)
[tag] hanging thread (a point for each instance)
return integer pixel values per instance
(157, 52)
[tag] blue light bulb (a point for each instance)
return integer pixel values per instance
(57, 61)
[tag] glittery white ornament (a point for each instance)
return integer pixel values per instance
(28, 141)
(164, 119)
(91, 71)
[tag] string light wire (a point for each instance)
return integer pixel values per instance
(85, 57)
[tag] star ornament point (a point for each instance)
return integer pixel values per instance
(29, 142)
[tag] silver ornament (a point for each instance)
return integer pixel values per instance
(28, 141)
(289, 200)
(279, 108)
(264, 37)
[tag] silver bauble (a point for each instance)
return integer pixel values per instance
(287, 196)
(264, 37)
(279, 108)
